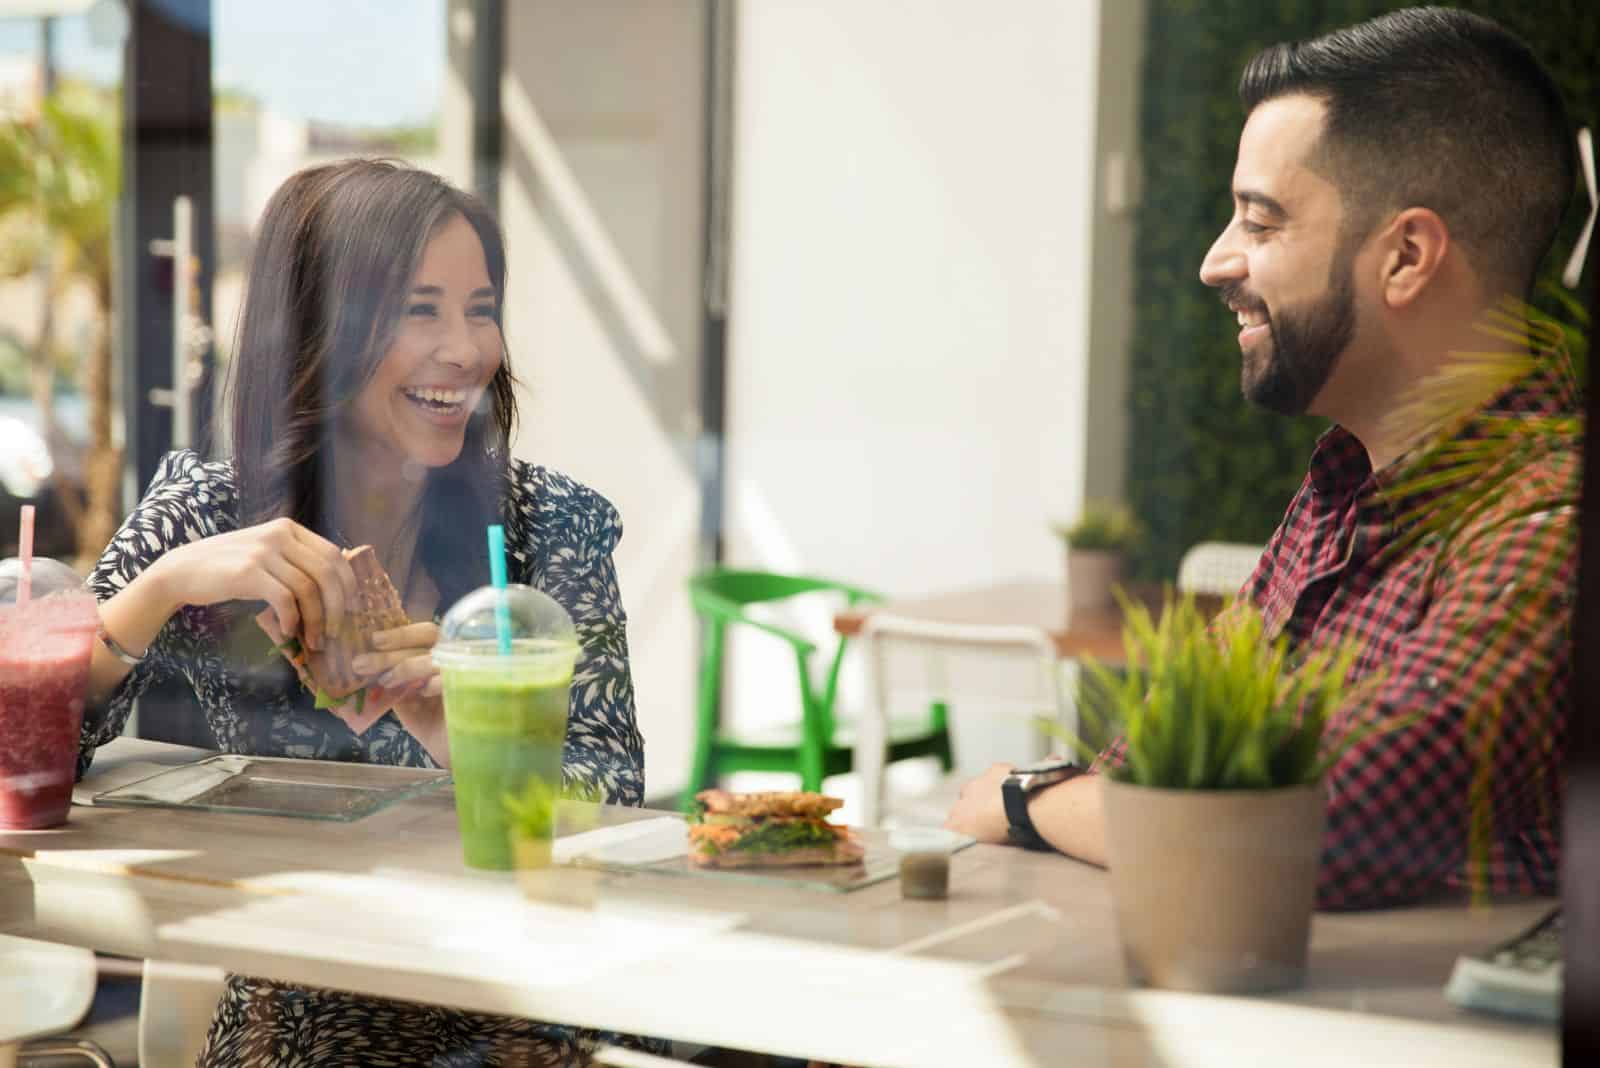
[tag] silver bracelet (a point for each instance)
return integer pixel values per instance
(118, 651)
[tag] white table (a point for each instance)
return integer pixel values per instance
(1020, 965)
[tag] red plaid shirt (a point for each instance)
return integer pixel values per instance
(1487, 628)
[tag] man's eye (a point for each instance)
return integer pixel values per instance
(482, 311)
(1250, 227)
(423, 310)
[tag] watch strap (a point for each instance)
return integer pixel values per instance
(1019, 824)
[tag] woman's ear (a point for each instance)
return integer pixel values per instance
(1414, 247)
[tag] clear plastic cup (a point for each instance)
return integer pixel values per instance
(925, 861)
(506, 716)
(45, 650)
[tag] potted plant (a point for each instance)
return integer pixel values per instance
(1214, 819)
(532, 817)
(1097, 545)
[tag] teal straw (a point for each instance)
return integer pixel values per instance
(497, 576)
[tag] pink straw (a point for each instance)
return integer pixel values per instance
(25, 552)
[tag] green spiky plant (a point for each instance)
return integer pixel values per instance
(1202, 709)
(1103, 526)
(1470, 461)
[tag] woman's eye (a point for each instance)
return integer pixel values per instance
(1250, 227)
(482, 311)
(427, 310)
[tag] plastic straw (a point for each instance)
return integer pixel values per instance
(497, 576)
(25, 555)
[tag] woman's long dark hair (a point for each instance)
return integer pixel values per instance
(338, 248)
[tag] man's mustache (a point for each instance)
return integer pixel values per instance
(1234, 295)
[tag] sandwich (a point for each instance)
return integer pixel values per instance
(768, 830)
(327, 672)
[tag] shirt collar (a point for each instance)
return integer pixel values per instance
(1339, 464)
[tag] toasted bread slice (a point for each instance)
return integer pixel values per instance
(793, 803)
(327, 672)
(377, 607)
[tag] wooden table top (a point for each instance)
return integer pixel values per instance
(1096, 635)
(1021, 958)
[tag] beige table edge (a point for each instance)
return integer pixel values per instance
(876, 1004)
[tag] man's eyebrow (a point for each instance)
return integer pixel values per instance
(1260, 200)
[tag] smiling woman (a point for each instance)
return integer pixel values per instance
(372, 405)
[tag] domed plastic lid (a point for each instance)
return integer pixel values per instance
(539, 629)
(58, 621)
(45, 576)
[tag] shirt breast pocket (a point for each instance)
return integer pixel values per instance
(1390, 613)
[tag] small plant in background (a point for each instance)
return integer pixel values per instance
(1204, 710)
(1103, 527)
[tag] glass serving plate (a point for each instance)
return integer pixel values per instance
(278, 786)
(661, 847)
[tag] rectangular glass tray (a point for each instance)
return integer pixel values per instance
(278, 786)
(662, 848)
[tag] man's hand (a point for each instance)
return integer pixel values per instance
(981, 812)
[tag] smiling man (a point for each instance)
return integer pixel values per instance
(1394, 181)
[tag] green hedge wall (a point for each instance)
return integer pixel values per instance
(1202, 464)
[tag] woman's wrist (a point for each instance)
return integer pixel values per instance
(161, 595)
(136, 614)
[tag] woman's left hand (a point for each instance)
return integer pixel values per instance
(400, 665)
(403, 678)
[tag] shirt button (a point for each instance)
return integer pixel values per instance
(1430, 682)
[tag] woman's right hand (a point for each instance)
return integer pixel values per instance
(302, 576)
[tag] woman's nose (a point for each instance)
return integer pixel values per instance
(457, 348)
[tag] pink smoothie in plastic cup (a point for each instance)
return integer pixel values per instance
(45, 648)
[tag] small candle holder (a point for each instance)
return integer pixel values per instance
(925, 861)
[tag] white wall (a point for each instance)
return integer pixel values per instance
(609, 95)
(914, 197)
(913, 282)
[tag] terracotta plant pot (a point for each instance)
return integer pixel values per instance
(1091, 576)
(1214, 889)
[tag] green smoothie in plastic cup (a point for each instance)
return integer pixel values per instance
(505, 708)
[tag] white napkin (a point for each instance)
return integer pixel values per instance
(642, 842)
(121, 775)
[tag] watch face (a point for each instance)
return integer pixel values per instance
(1058, 764)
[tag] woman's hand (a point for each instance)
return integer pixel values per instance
(403, 677)
(400, 664)
(301, 575)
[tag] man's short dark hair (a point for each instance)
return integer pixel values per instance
(1437, 108)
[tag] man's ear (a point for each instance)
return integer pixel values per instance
(1414, 246)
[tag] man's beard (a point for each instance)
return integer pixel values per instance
(1304, 344)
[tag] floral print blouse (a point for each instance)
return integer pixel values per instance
(559, 538)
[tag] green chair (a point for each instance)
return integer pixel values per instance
(819, 745)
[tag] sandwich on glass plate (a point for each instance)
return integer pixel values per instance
(776, 829)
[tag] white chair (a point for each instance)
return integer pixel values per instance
(45, 989)
(1010, 666)
(1217, 568)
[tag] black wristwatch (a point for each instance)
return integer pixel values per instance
(1024, 781)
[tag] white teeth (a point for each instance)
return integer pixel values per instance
(438, 396)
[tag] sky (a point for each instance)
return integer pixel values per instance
(354, 62)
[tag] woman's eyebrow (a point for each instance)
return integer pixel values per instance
(438, 291)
